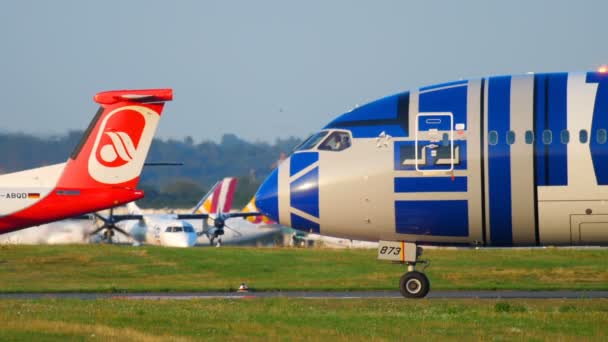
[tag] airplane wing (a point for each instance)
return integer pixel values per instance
(191, 216)
(242, 214)
(119, 218)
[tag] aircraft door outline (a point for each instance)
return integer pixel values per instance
(428, 133)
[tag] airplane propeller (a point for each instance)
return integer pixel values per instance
(110, 227)
(219, 224)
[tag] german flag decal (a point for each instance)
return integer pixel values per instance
(33, 195)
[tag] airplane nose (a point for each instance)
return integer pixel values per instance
(267, 197)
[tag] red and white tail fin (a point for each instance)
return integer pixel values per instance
(219, 198)
(114, 148)
(252, 208)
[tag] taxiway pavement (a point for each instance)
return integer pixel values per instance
(565, 294)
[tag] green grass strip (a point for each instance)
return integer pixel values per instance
(304, 319)
(102, 268)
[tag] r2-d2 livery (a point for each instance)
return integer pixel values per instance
(498, 161)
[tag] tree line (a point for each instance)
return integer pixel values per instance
(183, 186)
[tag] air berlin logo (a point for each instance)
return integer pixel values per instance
(120, 138)
(122, 144)
(121, 148)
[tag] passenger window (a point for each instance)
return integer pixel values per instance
(583, 136)
(565, 136)
(493, 138)
(337, 141)
(547, 137)
(601, 136)
(510, 137)
(445, 140)
(529, 137)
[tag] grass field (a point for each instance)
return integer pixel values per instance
(304, 319)
(125, 268)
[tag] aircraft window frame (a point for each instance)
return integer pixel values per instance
(547, 137)
(529, 137)
(564, 136)
(340, 145)
(601, 136)
(493, 138)
(583, 136)
(510, 137)
(311, 142)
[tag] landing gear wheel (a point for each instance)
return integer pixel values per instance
(414, 285)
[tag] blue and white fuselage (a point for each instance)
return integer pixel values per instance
(497, 161)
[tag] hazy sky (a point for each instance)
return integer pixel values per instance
(267, 69)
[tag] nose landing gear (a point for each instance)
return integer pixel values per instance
(413, 284)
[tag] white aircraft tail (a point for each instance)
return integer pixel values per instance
(260, 219)
(133, 209)
(218, 199)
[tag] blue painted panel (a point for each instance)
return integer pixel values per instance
(305, 193)
(301, 160)
(540, 124)
(437, 218)
(550, 113)
(453, 100)
(499, 161)
(406, 150)
(431, 184)
(599, 152)
(302, 224)
(557, 93)
(438, 122)
(373, 131)
(389, 115)
(267, 197)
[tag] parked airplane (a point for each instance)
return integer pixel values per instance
(102, 172)
(245, 228)
(497, 161)
(155, 229)
(183, 230)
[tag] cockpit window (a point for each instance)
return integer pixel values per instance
(337, 141)
(175, 229)
(311, 142)
(188, 229)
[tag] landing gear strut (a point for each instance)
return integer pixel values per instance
(413, 284)
(212, 241)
